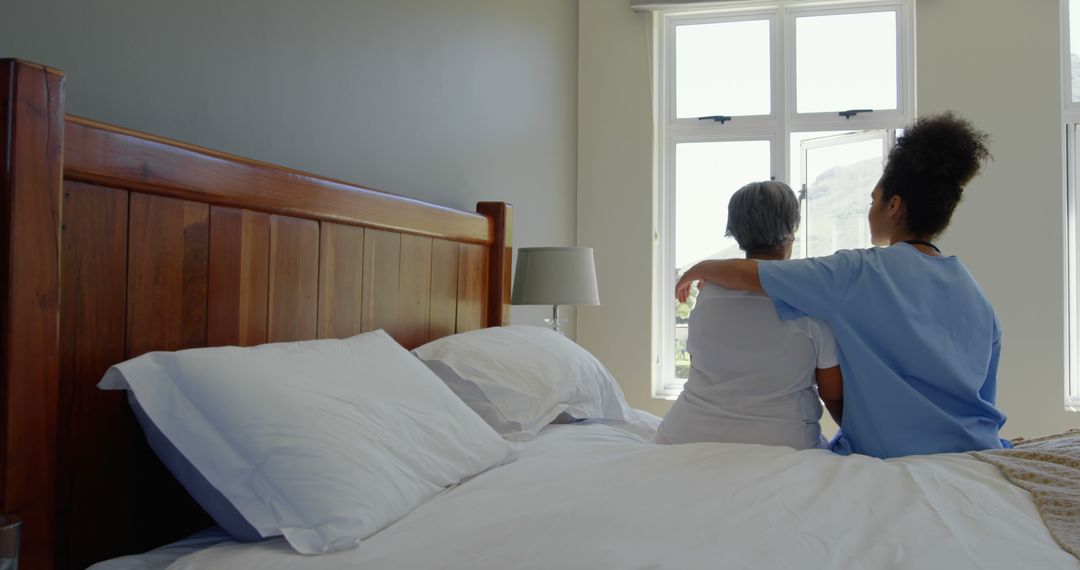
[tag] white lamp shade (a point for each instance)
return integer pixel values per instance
(555, 276)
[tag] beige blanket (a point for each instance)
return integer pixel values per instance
(1049, 468)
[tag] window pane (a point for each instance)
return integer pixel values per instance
(706, 175)
(1074, 47)
(845, 62)
(722, 69)
(842, 172)
(798, 251)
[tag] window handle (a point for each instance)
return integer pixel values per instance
(852, 112)
(718, 118)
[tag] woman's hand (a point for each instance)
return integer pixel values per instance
(738, 274)
(682, 288)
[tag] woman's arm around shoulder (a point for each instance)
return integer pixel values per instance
(738, 274)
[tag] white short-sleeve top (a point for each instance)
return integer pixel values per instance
(752, 376)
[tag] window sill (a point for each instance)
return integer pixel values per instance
(673, 394)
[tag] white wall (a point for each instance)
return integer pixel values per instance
(449, 102)
(993, 61)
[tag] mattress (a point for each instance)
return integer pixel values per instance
(589, 495)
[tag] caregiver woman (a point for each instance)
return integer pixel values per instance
(919, 342)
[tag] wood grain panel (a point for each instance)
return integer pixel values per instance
(121, 158)
(239, 277)
(444, 284)
(94, 297)
(107, 472)
(341, 272)
(168, 253)
(382, 264)
(294, 279)
(414, 291)
(31, 138)
(472, 287)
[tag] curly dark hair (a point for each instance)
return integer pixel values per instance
(929, 167)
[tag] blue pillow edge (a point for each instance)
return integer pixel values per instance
(216, 504)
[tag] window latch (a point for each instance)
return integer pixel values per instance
(852, 112)
(718, 118)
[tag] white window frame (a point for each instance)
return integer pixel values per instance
(1070, 154)
(776, 127)
(1071, 324)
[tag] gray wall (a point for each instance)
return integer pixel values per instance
(615, 191)
(448, 102)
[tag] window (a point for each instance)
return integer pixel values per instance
(1070, 97)
(812, 95)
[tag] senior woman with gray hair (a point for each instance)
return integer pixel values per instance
(755, 378)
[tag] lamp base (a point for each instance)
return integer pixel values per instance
(555, 322)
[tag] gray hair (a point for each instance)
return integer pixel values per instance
(763, 215)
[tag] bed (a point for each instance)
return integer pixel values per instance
(121, 243)
(594, 496)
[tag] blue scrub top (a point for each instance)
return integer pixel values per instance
(919, 347)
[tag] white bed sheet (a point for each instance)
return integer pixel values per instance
(161, 558)
(592, 496)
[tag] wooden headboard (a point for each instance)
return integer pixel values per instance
(118, 243)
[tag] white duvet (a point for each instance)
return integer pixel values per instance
(592, 496)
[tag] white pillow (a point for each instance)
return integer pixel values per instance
(324, 441)
(520, 378)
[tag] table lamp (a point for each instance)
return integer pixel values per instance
(555, 276)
